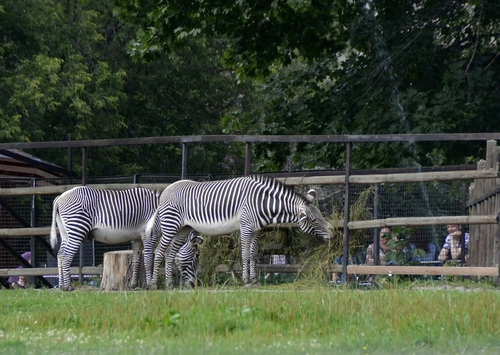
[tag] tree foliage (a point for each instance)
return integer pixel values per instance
(53, 78)
(358, 67)
(262, 32)
(64, 69)
(136, 68)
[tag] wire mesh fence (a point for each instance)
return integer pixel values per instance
(384, 201)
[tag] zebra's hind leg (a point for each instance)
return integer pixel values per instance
(169, 280)
(159, 256)
(175, 246)
(148, 262)
(64, 263)
(136, 256)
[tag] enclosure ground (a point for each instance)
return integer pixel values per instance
(270, 319)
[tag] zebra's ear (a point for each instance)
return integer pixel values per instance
(311, 195)
(198, 240)
(302, 214)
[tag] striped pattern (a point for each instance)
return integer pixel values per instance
(108, 216)
(187, 259)
(246, 204)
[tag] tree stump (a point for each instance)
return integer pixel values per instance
(117, 271)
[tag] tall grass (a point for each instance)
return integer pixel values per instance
(268, 320)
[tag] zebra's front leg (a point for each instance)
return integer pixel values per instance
(245, 258)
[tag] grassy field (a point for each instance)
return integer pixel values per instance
(269, 320)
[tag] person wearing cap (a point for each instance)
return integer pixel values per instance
(20, 281)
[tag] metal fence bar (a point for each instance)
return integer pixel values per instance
(347, 208)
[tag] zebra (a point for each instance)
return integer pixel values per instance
(108, 216)
(187, 259)
(246, 204)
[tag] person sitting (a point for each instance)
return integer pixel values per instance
(431, 255)
(452, 247)
(20, 281)
(429, 250)
(383, 248)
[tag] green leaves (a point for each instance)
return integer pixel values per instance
(54, 82)
(259, 33)
(402, 251)
(64, 95)
(265, 67)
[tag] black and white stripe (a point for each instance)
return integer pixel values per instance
(187, 259)
(246, 204)
(108, 216)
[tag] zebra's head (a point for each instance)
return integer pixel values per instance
(188, 258)
(311, 220)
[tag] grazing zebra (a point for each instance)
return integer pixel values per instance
(187, 259)
(220, 207)
(107, 216)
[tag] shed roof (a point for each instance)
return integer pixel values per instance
(15, 163)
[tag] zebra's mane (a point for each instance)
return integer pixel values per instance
(273, 183)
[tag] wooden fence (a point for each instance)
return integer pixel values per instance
(483, 210)
(484, 199)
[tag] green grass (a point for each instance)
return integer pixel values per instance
(270, 320)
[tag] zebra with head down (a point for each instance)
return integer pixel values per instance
(187, 259)
(246, 204)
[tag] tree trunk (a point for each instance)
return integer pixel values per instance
(117, 271)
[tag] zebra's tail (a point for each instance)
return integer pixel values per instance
(150, 226)
(53, 230)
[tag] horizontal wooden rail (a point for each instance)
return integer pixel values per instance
(45, 271)
(422, 270)
(423, 221)
(424, 176)
(377, 223)
(381, 270)
(294, 268)
(392, 178)
(24, 232)
(59, 189)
